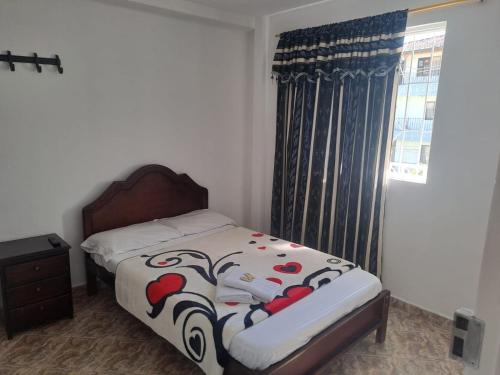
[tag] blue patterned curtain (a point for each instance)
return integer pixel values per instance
(336, 91)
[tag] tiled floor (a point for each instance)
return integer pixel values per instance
(104, 339)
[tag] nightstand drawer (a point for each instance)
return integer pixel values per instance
(36, 270)
(41, 312)
(38, 291)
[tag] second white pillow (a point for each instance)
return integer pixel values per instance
(198, 221)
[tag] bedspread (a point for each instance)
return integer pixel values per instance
(173, 290)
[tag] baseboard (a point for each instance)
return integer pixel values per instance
(79, 288)
(415, 306)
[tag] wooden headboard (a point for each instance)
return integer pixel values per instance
(151, 192)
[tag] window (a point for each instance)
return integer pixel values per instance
(423, 65)
(424, 154)
(416, 102)
(430, 109)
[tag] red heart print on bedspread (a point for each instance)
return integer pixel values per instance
(291, 294)
(165, 286)
(290, 267)
(275, 280)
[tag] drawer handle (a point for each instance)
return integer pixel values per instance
(37, 289)
(37, 268)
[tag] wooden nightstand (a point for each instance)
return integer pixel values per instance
(35, 282)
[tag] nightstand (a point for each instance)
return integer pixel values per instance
(35, 282)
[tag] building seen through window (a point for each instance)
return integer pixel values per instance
(419, 73)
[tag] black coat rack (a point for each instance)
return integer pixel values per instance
(37, 61)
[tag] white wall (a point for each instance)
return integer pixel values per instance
(434, 233)
(137, 88)
(488, 299)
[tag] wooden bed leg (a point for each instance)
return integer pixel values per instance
(91, 276)
(381, 331)
(91, 284)
(380, 337)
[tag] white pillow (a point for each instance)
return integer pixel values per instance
(132, 237)
(197, 221)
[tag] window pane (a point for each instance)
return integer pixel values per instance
(416, 102)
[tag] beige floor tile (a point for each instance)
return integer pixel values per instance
(30, 350)
(104, 339)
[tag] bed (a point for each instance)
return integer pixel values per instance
(270, 346)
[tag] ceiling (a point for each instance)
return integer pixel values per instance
(254, 7)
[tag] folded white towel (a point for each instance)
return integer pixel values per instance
(225, 293)
(262, 289)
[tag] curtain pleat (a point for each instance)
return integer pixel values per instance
(334, 119)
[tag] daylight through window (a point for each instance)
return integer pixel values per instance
(416, 102)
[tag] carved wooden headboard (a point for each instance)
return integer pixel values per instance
(151, 192)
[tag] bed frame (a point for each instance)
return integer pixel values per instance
(155, 191)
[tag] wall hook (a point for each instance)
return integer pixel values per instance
(9, 61)
(58, 64)
(37, 65)
(31, 59)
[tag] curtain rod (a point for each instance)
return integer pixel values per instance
(429, 8)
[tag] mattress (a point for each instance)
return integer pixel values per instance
(274, 338)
